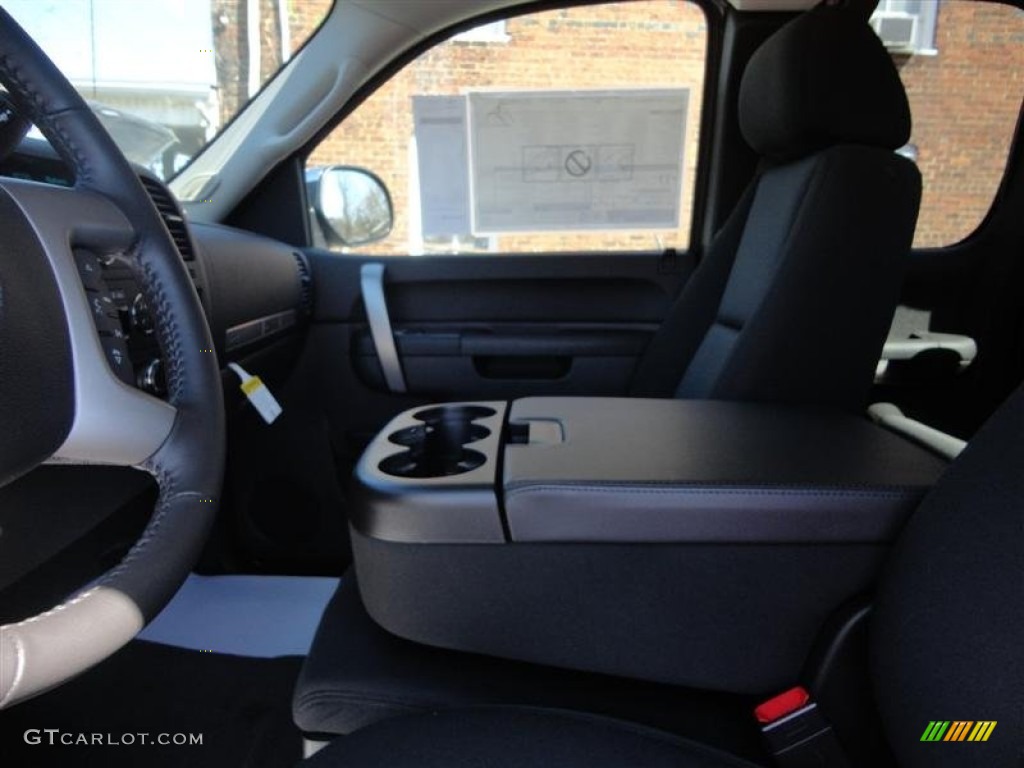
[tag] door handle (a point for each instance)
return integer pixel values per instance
(371, 278)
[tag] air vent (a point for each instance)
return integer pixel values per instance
(171, 214)
(305, 284)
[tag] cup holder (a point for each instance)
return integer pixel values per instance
(454, 413)
(408, 464)
(457, 432)
(437, 448)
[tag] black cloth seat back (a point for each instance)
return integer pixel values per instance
(795, 295)
(948, 625)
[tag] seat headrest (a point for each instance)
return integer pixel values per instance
(823, 79)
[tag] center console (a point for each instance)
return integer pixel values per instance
(697, 543)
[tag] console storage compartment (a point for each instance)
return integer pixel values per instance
(689, 542)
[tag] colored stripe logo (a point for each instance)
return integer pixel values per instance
(958, 730)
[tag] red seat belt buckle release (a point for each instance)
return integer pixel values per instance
(798, 735)
(785, 703)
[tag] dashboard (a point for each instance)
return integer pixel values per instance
(256, 292)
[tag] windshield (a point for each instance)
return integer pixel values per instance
(165, 76)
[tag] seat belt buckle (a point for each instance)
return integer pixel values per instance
(797, 733)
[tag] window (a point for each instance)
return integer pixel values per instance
(965, 101)
(165, 78)
(565, 130)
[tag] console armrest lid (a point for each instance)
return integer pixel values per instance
(703, 471)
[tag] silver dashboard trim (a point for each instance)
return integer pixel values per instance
(257, 330)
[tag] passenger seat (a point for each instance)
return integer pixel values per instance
(794, 297)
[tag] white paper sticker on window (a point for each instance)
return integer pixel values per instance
(543, 161)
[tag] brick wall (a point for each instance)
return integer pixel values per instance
(230, 33)
(964, 100)
(304, 16)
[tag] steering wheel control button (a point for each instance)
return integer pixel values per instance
(100, 303)
(151, 378)
(108, 326)
(139, 317)
(90, 269)
(120, 363)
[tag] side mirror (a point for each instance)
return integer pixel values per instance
(351, 205)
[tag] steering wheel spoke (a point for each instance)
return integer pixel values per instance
(114, 422)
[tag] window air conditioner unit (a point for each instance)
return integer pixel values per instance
(897, 30)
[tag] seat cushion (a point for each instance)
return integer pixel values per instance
(358, 674)
(507, 737)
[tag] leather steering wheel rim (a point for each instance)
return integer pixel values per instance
(180, 441)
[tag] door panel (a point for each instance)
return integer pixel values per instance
(495, 327)
(500, 360)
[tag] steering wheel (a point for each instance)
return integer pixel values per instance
(60, 400)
